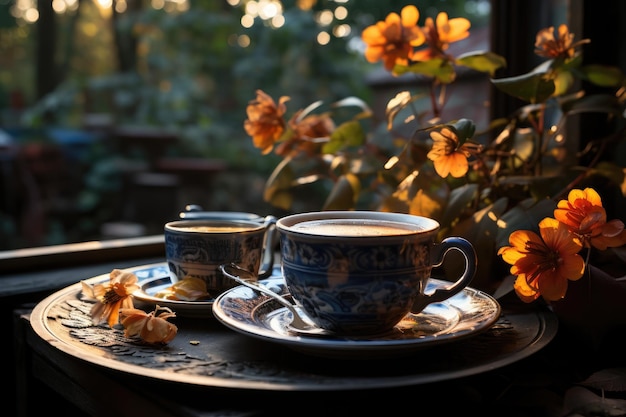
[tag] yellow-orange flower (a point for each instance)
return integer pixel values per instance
(543, 264)
(112, 296)
(561, 46)
(440, 34)
(393, 40)
(447, 155)
(265, 121)
(148, 326)
(585, 216)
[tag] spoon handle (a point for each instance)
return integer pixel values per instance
(298, 324)
(229, 271)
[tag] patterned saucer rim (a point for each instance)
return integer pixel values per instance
(252, 314)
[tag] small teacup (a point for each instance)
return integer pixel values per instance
(196, 248)
(362, 272)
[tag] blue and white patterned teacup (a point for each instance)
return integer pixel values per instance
(362, 272)
(197, 248)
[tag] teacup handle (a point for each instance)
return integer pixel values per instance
(440, 251)
(269, 243)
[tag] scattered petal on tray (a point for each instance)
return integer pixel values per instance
(151, 327)
(187, 289)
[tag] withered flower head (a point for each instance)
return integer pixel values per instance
(112, 296)
(148, 326)
(308, 134)
(561, 46)
(265, 121)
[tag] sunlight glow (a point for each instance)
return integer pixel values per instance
(158, 4)
(268, 9)
(325, 17)
(31, 15)
(243, 41)
(341, 13)
(59, 6)
(278, 21)
(121, 6)
(323, 38)
(342, 31)
(247, 21)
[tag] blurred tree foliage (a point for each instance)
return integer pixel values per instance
(186, 70)
(192, 70)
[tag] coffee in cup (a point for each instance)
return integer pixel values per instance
(196, 248)
(362, 272)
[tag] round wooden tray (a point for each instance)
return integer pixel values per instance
(206, 353)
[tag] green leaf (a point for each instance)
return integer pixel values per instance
(353, 102)
(460, 199)
(523, 146)
(525, 216)
(343, 195)
(425, 192)
(563, 81)
(532, 87)
(464, 129)
(597, 103)
(604, 76)
(482, 61)
(611, 171)
(438, 68)
(279, 181)
(310, 108)
(398, 103)
(347, 134)
(481, 229)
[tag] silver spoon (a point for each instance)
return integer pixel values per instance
(297, 324)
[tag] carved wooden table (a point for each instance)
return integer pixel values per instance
(211, 370)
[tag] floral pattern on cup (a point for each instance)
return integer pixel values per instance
(365, 284)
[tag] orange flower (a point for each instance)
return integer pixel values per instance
(149, 327)
(543, 264)
(393, 40)
(440, 34)
(584, 215)
(562, 46)
(448, 157)
(265, 121)
(112, 296)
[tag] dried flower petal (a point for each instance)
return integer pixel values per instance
(187, 289)
(112, 296)
(265, 121)
(148, 326)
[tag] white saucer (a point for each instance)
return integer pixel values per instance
(463, 315)
(155, 278)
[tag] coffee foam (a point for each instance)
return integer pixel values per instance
(355, 227)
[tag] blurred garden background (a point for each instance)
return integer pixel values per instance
(115, 114)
